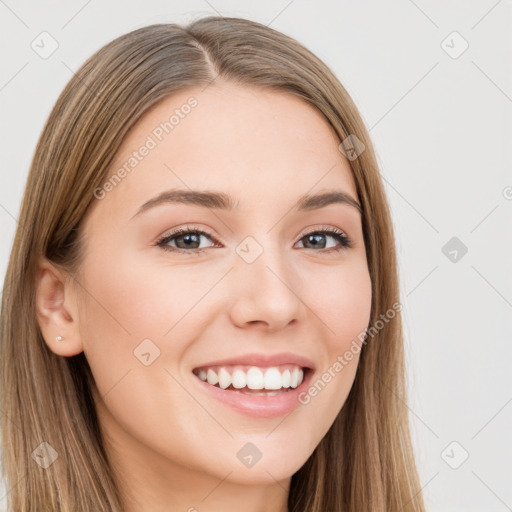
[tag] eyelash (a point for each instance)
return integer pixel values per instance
(344, 240)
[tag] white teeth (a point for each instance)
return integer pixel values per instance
(255, 378)
(211, 377)
(294, 378)
(239, 379)
(224, 378)
(273, 379)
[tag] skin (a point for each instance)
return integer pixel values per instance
(169, 442)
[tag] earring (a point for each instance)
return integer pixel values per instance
(59, 338)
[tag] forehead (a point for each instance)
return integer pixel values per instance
(258, 145)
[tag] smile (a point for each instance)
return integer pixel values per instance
(257, 391)
(253, 378)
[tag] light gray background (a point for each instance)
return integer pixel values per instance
(442, 129)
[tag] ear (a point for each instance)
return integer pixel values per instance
(57, 311)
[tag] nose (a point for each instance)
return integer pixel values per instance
(265, 292)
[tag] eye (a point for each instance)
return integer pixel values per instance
(188, 240)
(314, 238)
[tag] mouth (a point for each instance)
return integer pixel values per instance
(262, 386)
(264, 381)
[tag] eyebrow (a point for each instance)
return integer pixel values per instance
(223, 201)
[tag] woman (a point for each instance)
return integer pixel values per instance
(201, 309)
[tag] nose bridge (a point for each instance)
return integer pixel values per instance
(263, 285)
(258, 256)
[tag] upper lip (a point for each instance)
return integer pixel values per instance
(263, 360)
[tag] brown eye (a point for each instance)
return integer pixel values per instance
(186, 240)
(316, 239)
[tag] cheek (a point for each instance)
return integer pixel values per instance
(342, 299)
(133, 300)
(122, 307)
(131, 297)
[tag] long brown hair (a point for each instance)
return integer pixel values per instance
(365, 461)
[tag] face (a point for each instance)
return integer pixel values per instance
(265, 284)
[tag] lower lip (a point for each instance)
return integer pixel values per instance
(259, 406)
